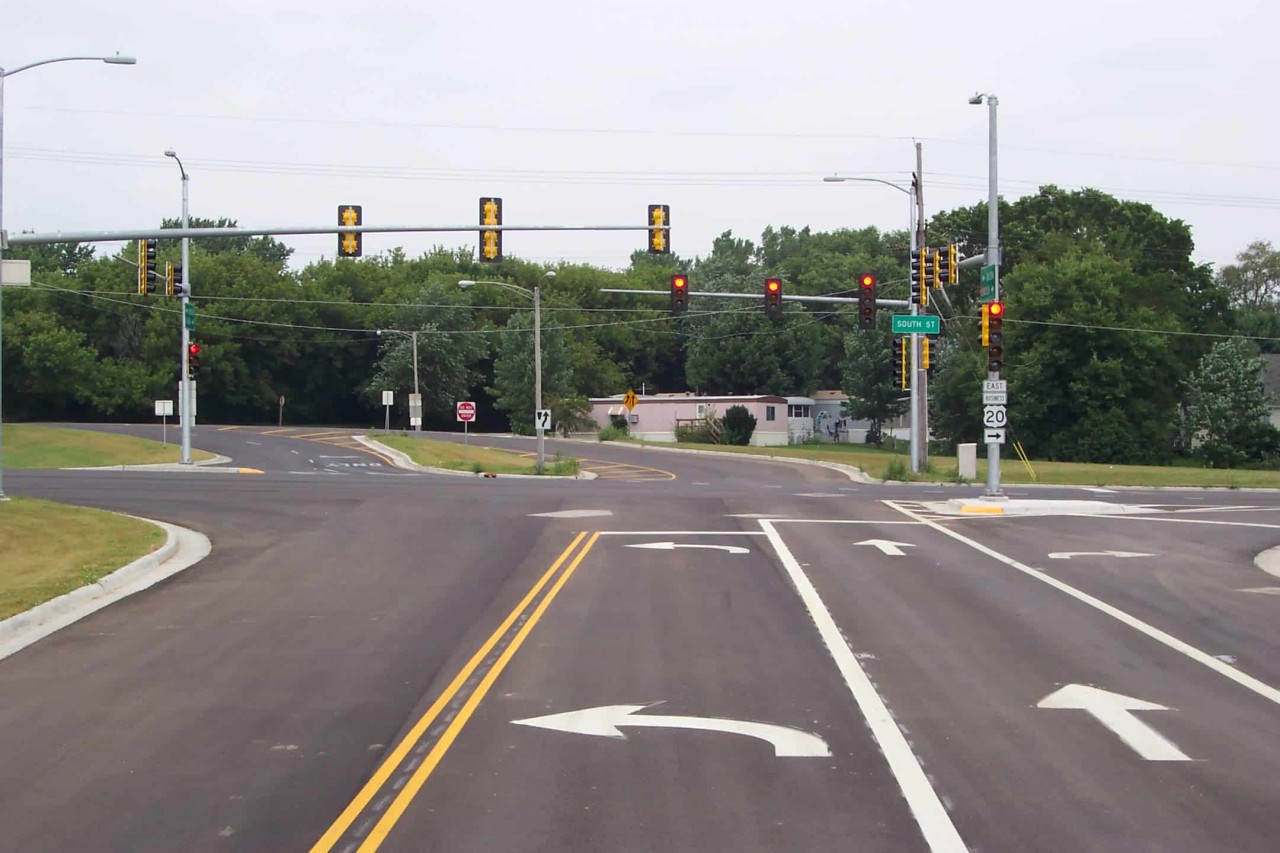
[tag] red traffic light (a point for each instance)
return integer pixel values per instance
(194, 349)
(679, 282)
(996, 309)
(773, 285)
(867, 281)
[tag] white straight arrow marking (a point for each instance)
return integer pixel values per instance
(605, 720)
(1114, 711)
(1067, 555)
(893, 549)
(671, 546)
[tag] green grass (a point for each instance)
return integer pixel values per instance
(894, 464)
(37, 565)
(456, 457)
(33, 446)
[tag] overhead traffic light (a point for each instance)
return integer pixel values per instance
(193, 360)
(659, 236)
(866, 301)
(350, 244)
(935, 265)
(146, 266)
(899, 375)
(924, 352)
(173, 279)
(773, 298)
(947, 267)
(920, 276)
(490, 239)
(994, 327)
(679, 293)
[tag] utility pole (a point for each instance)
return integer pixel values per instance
(919, 385)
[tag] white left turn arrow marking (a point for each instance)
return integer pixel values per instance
(1115, 712)
(671, 546)
(893, 549)
(605, 720)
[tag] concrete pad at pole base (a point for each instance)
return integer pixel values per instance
(1005, 506)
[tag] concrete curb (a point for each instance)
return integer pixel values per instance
(204, 464)
(402, 460)
(182, 549)
(1023, 506)
(854, 473)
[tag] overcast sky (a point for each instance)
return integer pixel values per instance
(729, 111)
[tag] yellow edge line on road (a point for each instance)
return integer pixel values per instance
(224, 429)
(410, 790)
(249, 471)
(276, 431)
(984, 510)
(397, 756)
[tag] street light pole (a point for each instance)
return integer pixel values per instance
(549, 275)
(413, 336)
(110, 60)
(915, 226)
(993, 259)
(184, 380)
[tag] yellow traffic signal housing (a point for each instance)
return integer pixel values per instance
(950, 265)
(924, 353)
(142, 267)
(490, 238)
(659, 236)
(935, 270)
(350, 245)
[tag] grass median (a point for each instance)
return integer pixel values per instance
(49, 549)
(478, 460)
(35, 446)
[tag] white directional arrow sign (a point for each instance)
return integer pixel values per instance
(1115, 712)
(605, 720)
(671, 546)
(1067, 555)
(893, 549)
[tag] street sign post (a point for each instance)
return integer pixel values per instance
(388, 398)
(916, 324)
(466, 412)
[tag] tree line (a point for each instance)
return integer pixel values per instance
(1118, 345)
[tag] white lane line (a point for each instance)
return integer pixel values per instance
(1261, 688)
(681, 532)
(1176, 520)
(926, 807)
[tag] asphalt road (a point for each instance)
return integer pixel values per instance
(374, 659)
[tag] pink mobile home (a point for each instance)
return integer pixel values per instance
(656, 416)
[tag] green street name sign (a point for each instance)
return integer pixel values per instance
(189, 316)
(987, 280)
(918, 324)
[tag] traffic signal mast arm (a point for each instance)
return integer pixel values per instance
(791, 297)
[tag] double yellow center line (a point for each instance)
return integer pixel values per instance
(403, 759)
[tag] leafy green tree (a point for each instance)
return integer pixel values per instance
(1227, 410)
(1253, 281)
(513, 371)
(1087, 384)
(868, 378)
